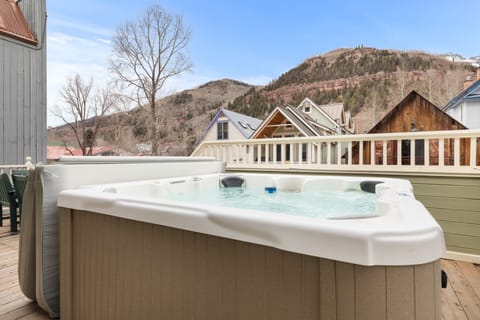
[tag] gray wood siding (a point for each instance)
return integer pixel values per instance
(23, 101)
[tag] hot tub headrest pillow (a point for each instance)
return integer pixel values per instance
(369, 186)
(232, 181)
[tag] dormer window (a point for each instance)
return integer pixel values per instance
(306, 109)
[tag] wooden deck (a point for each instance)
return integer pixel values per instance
(13, 304)
(461, 299)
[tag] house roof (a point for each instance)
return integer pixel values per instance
(350, 125)
(245, 124)
(334, 110)
(320, 109)
(303, 122)
(55, 152)
(472, 92)
(13, 23)
(410, 96)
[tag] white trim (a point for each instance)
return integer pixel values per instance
(460, 256)
(269, 118)
(319, 109)
(304, 122)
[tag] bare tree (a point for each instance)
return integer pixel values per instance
(83, 110)
(146, 53)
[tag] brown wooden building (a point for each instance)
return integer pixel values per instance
(414, 113)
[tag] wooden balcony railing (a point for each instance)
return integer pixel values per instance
(455, 151)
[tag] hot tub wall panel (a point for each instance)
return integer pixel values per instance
(114, 268)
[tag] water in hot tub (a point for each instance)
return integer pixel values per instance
(317, 204)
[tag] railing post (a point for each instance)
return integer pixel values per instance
(399, 152)
(473, 152)
(441, 152)
(275, 155)
(360, 152)
(329, 152)
(456, 152)
(319, 153)
(267, 153)
(292, 153)
(384, 152)
(372, 153)
(28, 163)
(349, 153)
(426, 152)
(300, 152)
(339, 153)
(259, 153)
(412, 152)
(309, 152)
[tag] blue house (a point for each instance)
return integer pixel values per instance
(465, 107)
(230, 125)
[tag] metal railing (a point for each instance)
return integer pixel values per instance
(9, 168)
(454, 151)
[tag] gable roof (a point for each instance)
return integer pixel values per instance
(245, 124)
(13, 23)
(319, 109)
(303, 122)
(349, 124)
(472, 92)
(412, 95)
(334, 110)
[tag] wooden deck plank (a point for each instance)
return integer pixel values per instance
(463, 290)
(472, 273)
(460, 300)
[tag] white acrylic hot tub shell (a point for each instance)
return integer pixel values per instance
(405, 234)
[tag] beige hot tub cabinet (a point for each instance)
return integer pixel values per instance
(117, 268)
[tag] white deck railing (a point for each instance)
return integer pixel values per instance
(9, 168)
(455, 151)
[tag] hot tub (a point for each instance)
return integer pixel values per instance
(164, 248)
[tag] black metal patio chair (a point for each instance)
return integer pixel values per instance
(8, 199)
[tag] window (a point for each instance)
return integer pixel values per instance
(306, 109)
(288, 124)
(222, 130)
(243, 124)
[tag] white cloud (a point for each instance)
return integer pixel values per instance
(68, 55)
(88, 56)
(80, 27)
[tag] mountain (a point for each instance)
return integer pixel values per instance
(185, 116)
(368, 81)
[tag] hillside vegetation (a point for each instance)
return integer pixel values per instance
(364, 79)
(185, 116)
(368, 81)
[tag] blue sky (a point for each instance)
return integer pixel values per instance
(256, 41)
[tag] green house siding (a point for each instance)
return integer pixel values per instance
(455, 204)
(453, 201)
